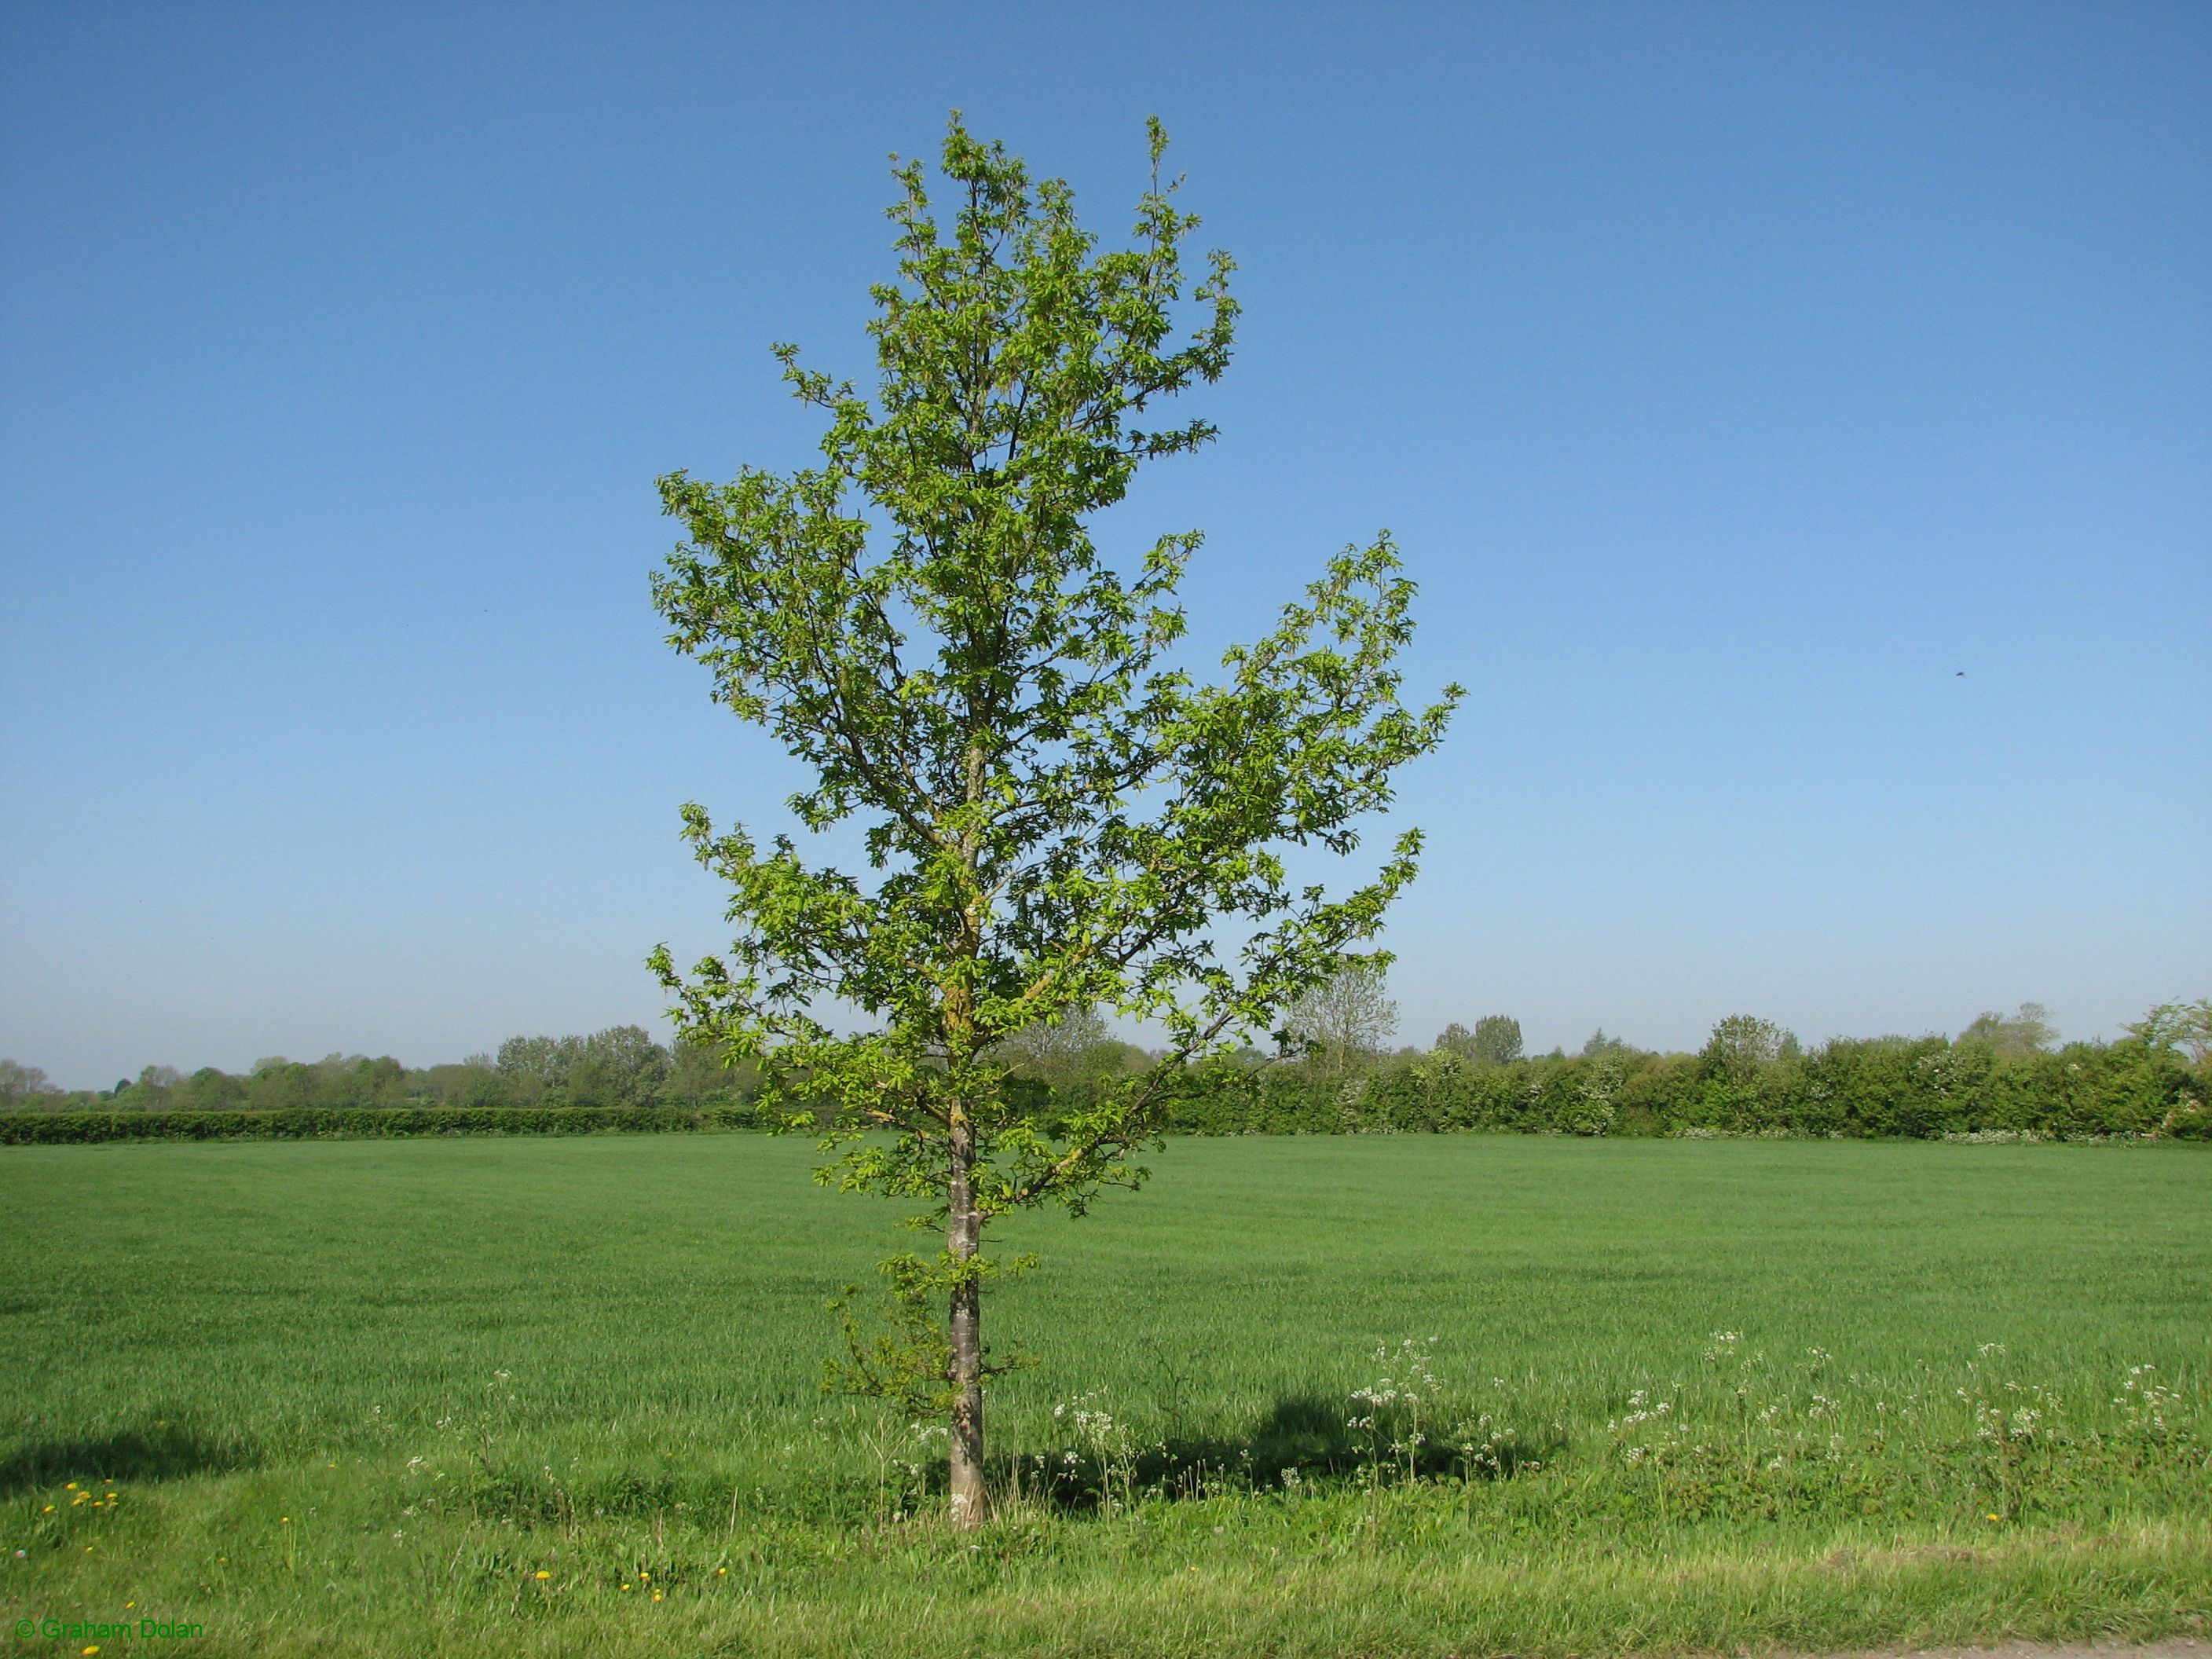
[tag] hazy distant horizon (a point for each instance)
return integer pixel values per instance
(1128, 1032)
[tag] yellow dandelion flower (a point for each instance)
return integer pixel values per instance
(721, 1572)
(542, 1573)
(95, 1648)
(68, 1485)
(283, 1520)
(49, 1509)
(625, 1586)
(642, 1577)
(656, 1596)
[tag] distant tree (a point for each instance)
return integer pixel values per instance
(1345, 1020)
(23, 1086)
(2195, 1035)
(1497, 1040)
(2028, 1032)
(209, 1090)
(149, 1091)
(1056, 818)
(2185, 1024)
(1454, 1039)
(532, 1067)
(379, 1082)
(1054, 1050)
(279, 1083)
(1599, 1043)
(1742, 1045)
(341, 1080)
(700, 1074)
(1076, 1057)
(472, 1082)
(621, 1066)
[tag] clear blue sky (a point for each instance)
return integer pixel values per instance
(1733, 376)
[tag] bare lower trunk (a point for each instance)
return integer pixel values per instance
(970, 1505)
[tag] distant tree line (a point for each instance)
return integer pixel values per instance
(2001, 1081)
(2003, 1077)
(620, 1066)
(1332, 1072)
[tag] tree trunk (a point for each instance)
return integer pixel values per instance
(970, 1505)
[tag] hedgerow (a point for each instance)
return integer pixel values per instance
(315, 1122)
(1923, 1089)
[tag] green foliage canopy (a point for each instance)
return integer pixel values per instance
(1056, 819)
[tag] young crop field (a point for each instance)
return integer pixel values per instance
(562, 1395)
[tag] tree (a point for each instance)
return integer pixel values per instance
(621, 1066)
(1054, 1050)
(1743, 1045)
(1495, 1041)
(208, 1090)
(2029, 1031)
(2188, 1024)
(23, 1086)
(1054, 819)
(278, 1083)
(530, 1067)
(697, 1077)
(1344, 1019)
(471, 1082)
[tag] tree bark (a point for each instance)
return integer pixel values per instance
(971, 1503)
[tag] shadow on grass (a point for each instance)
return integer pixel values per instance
(1303, 1438)
(158, 1451)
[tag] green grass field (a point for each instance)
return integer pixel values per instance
(552, 1396)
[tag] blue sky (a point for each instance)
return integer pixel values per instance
(1732, 376)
